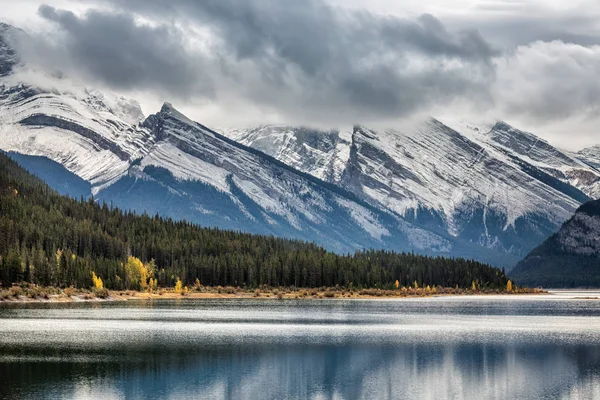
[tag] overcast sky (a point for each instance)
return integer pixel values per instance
(333, 63)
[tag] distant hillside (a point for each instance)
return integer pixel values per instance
(569, 258)
(49, 239)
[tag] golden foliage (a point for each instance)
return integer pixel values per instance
(98, 284)
(138, 274)
(152, 285)
(397, 284)
(178, 286)
(509, 286)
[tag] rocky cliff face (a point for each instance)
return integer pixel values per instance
(570, 257)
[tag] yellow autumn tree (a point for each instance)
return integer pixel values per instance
(416, 284)
(137, 274)
(98, 284)
(397, 284)
(473, 286)
(152, 285)
(509, 286)
(178, 286)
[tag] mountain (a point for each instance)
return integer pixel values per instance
(590, 156)
(570, 257)
(494, 186)
(170, 165)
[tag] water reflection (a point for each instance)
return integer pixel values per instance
(272, 350)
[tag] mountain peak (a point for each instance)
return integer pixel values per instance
(169, 110)
(5, 27)
(167, 107)
(590, 151)
(361, 130)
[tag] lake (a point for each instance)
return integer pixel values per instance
(463, 347)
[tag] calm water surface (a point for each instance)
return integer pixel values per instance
(505, 347)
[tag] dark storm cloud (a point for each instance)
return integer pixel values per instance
(117, 50)
(286, 55)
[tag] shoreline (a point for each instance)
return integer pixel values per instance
(226, 293)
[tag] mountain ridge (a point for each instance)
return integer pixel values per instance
(570, 257)
(392, 170)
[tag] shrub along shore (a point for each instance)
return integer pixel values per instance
(32, 293)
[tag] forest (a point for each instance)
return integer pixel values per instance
(52, 240)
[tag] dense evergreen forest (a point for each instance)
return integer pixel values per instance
(52, 240)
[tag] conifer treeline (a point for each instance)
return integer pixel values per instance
(52, 240)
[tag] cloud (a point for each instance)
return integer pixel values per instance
(309, 62)
(304, 59)
(119, 51)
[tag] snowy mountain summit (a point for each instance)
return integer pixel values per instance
(490, 193)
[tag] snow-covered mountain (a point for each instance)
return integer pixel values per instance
(171, 165)
(590, 156)
(525, 147)
(323, 154)
(494, 185)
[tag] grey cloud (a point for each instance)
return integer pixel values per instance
(529, 23)
(299, 57)
(115, 49)
(550, 80)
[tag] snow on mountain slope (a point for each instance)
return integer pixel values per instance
(101, 130)
(323, 154)
(271, 195)
(493, 185)
(97, 142)
(523, 146)
(473, 193)
(590, 156)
